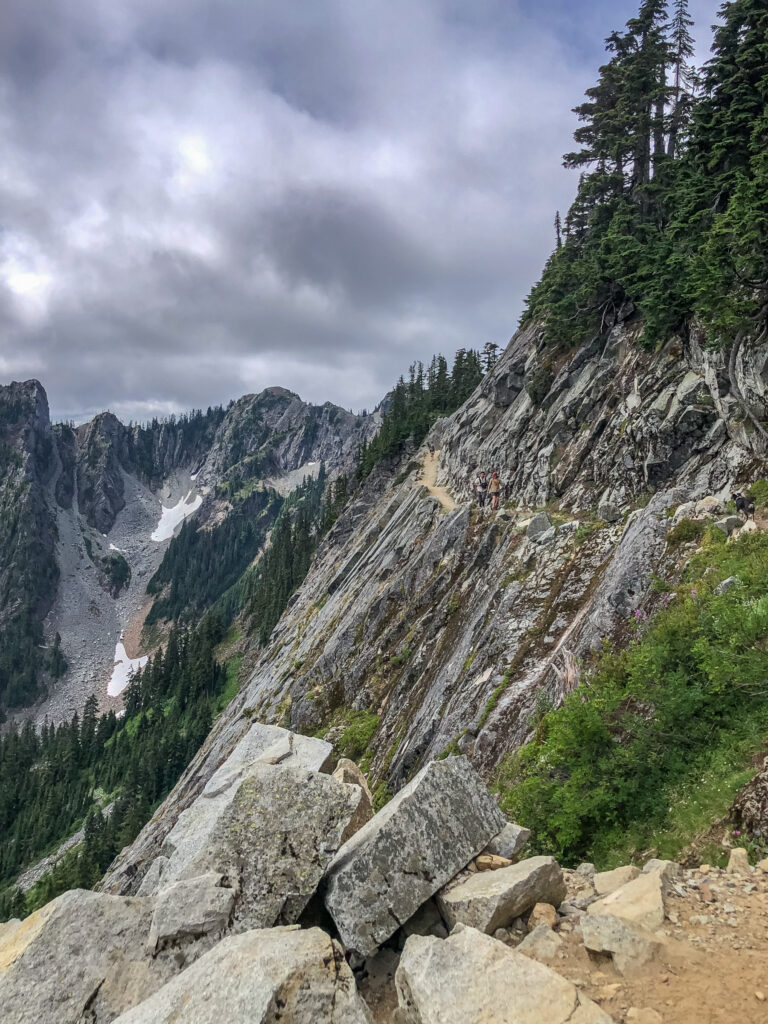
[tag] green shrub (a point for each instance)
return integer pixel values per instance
(651, 720)
(360, 727)
(685, 531)
(758, 492)
(540, 383)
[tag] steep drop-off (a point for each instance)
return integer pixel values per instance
(446, 627)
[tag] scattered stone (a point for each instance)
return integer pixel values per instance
(489, 862)
(586, 869)
(760, 996)
(542, 943)
(348, 772)
(738, 862)
(542, 913)
(710, 507)
(510, 842)
(190, 909)
(245, 978)
(538, 525)
(396, 862)
(608, 881)
(640, 902)
(469, 976)
(668, 870)
(762, 865)
(491, 900)
(643, 1016)
(608, 512)
(629, 945)
(728, 525)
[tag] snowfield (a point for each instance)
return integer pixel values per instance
(123, 669)
(173, 517)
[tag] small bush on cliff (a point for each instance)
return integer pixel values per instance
(687, 530)
(651, 719)
(758, 492)
(540, 383)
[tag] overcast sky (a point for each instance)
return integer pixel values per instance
(201, 198)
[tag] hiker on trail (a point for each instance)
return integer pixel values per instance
(494, 489)
(481, 488)
(431, 451)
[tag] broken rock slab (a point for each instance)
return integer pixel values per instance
(427, 833)
(262, 745)
(55, 962)
(640, 902)
(471, 978)
(608, 881)
(190, 909)
(510, 842)
(629, 945)
(493, 899)
(199, 823)
(273, 841)
(258, 977)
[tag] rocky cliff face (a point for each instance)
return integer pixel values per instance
(76, 499)
(274, 433)
(27, 534)
(452, 624)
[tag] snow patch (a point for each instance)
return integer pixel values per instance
(114, 547)
(173, 517)
(123, 669)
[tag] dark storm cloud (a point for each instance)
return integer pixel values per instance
(203, 198)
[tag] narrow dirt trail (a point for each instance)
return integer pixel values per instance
(428, 479)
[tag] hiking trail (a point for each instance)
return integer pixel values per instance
(428, 478)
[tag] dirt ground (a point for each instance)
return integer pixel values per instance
(428, 479)
(713, 968)
(714, 965)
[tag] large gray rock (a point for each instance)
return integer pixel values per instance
(81, 944)
(260, 977)
(189, 910)
(470, 978)
(273, 841)
(409, 850)
(538, 526)
(510, 842)
(264, 747)
(492, 899)
(630, 945)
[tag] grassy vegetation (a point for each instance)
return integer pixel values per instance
(231, 687)
(654, 744)
(686, 530)
(758, 492)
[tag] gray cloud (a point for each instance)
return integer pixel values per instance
(200, 198)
